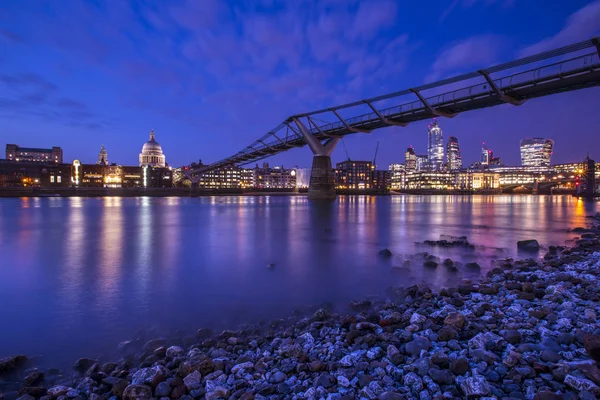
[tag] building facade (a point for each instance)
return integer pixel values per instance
(354, 175)
(152, 154)
(453, 155)
(102, 157)
(536, 151)
(267, 177)
(423, 163)
(410, 160)
(486, 155)
(435, 146)
(34, 155)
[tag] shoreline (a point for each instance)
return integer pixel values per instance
(527, 330)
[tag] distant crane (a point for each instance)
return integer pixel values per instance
(346, 150)
(375, 157)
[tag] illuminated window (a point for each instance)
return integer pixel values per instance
(51, 178)
(59, 179)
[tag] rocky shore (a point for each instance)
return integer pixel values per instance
(528, 330)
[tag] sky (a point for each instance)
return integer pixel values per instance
(211, 76)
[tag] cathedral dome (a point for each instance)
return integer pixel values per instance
(152, 154)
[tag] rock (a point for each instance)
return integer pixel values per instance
(582, 384)
(415, 347)
(326, 380)
(417, 318)
(83, 364)
(26, 397)
(475, 386)
(459, 366)
(390, 396)
(343, 381)
(511, 336)
(151, 376)
(455, 320)
(322, 314)
(137, 392)
(472, 265)
(58, 391)
(193, 381)
(592, 345)
(163, 389)
(386, 253)
(447, 333)
(35, 391)
(9, 364)
(528, 245)
(547, 395)
(174, 351)
(153, 344)
(316, 366)
(430, 264)
(366, 325)
(32, 378)
(117, 385)
(550, 356)
(441, 376)
(277, 377)
(592, 372)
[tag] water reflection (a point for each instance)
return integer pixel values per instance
(96, 270)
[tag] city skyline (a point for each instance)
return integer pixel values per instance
(169, 73)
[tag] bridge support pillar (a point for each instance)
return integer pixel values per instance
(322, 184)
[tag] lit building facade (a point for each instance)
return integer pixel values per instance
(354, 175)
(410, 160)
(454, 161)
(267, 177)
(478, 181)
(397, 176)
(382, 180)
(435, 146)
(229, 177)
(152, 154)
(430, 180)
(116, 176)
(486, 155)
(423, 163)
(102, 157)
(536, 151)
(34, 155)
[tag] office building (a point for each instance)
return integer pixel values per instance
(536, 151)
(354, 175)
(423, 163)
(486, 155)
(410, 160)
(34, 155)
(267, 177)
(454, 161)
(397, 176)
(152, 154)
(435, 146)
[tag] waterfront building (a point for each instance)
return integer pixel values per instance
(34, 155)
(102, 157)
(454, 158)
(382, 180)
(478, 181)
(410, 160)
(302, 178)
(247, 178)
(536, 151)
(435, 146)
(430, 180)
(152, 153)
(354, 175)
(116, 176)
(228, 177)
(267, 177)
(423, 163)
(397, 176)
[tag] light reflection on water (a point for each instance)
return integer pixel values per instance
(79, 275)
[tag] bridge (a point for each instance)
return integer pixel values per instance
(568, 68)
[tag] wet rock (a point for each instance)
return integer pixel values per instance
(174, 351)
(9, 364)
(511, 336)
(58, 391)
(32, 378)
(390, 396)
(151, 376)
(547, 395)
(163, 389)
(137, 392)
(447, 333)
(277, 377)
(34, 391)
(455, 320)
(415, 347)
(528, 245)
(592, 372)
(83, 364)
(582, 384)
(550, 356)
(26, 397)
(193, 381)
(322, 314)
(475, 386)
(443, 376)
(459, 366)
(385, 253)
(592, 345)
(472, 266)
(326, 380)
(430, 264)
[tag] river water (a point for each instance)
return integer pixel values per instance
(79, 275)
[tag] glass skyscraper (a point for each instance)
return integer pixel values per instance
(410, 160)
(453, 153)
(435, 146)
(536, 152)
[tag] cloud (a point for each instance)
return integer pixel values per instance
(476, 51)
(582, 24)
(470, 3)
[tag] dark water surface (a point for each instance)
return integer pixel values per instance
(79, 275)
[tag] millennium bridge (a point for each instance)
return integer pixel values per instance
(568, 68)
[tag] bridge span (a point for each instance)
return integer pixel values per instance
(568, 68)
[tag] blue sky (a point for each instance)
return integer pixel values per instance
(211, 76)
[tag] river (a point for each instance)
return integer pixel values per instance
(79, 275)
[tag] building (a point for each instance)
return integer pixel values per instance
(454, 158)
(397, 176)
(435, 146)
(267, 177)
(422, 163)
(486, 155)
(229, 177)
(303, 178)
(410, 160)
(102, 157)
(34, 155)
(152, 154)
(536, 151)
(117, 176)
(382, 180)
(430, 180)
(478, 181)
(353, 175)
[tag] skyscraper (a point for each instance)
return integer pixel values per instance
(454, 159)
(536, 152)
(102, 157)
(410, 160)
(486, 155)
(435, 146)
